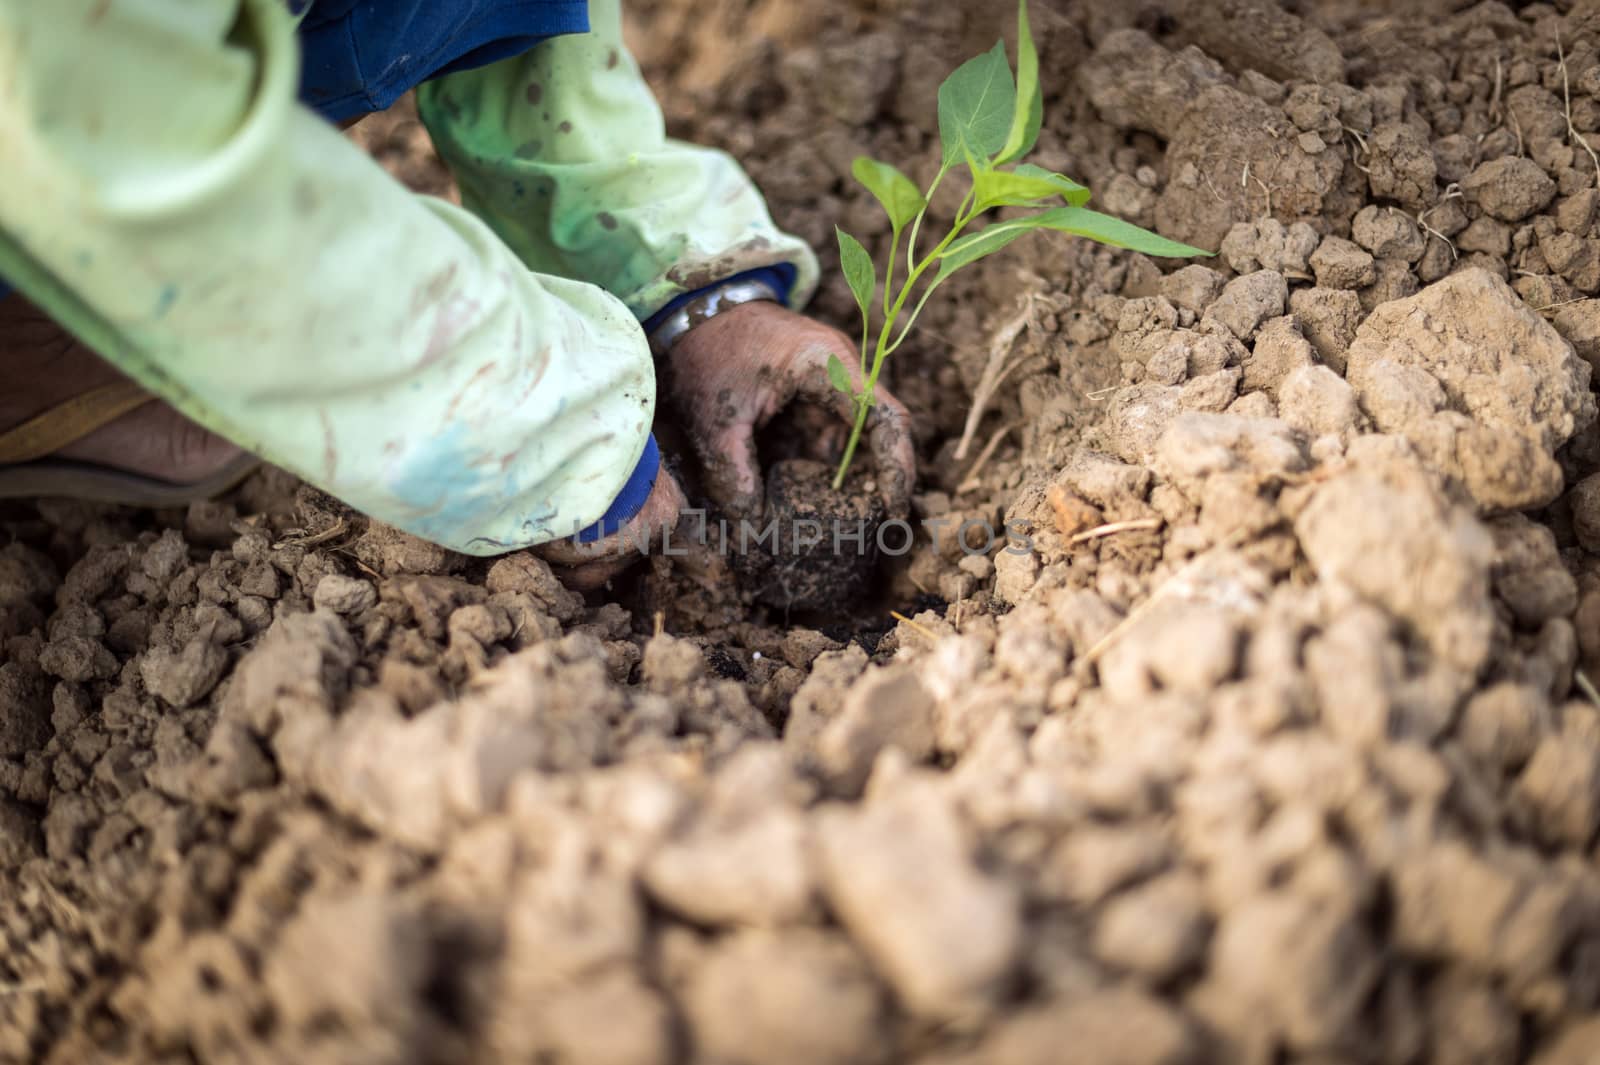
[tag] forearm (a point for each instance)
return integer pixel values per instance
(167, 199)
(563, 152)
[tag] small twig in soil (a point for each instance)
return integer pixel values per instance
(1566, 98)
(1499, 90)
(1563, 303)
(1100, 393)
(1451, 193)
(970, 482)
(996, 370)
(1105, 642)
(1355, 157)
(360, 565)
(1586, 686)
(923, 630)
(1267, 192)
(331, 532)
(661, 622)
(1115, 528)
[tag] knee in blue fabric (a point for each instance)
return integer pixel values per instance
(361, 56)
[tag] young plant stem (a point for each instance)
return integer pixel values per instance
(892, 313)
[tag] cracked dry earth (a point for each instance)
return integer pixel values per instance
(1300, 763)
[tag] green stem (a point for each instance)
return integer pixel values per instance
(916, 313)
(888, 284)
(892, 314)
(916, 227)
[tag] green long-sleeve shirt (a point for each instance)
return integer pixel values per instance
(477, 377)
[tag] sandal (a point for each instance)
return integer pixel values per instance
(26, 471)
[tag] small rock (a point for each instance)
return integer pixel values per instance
(1197, 445)
(1501, 725)
(755, 871)
(1579, 324)
(1584, 499)
(1394, 280)
(1212, 392)
(1293, 966)
(1388, 233)
(1157, 930)
(1016, 572)
(801, 998)
(78, 659)
(1484, 388)
(1561, 788)
(884, 708)
(1529, 576)
(1392, 540)
(1510, 188)
(25, 709)
(1471, 1022)
(1318, 402)
(344, 595)
(1329, 319)
(1401, 166)
(1266, 244)
(1095, 861)
(1339, 263)
(900, 876)
(1488, 235)
(1105, 1027)
(185, 677)
(1194, 288)
(1248, 301)
(1575, 1045)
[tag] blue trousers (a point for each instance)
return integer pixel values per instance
(362, 55)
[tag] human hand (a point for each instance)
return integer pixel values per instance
(733, 373)
(585, 567)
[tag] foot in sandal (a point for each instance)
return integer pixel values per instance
(113, 442)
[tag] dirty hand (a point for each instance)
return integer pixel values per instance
(733, 373)
(584, 567)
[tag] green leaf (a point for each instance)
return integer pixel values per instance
(900, 198)
(1028, 115)
(1023, 186)
(974, 246)
(1075, 220)
(858, 271)
(1105, 229)
(838, 376)
(976, 104)
(1075, 194)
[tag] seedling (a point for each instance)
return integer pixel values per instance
(989, 119)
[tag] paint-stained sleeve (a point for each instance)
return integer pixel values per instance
(165, 197)
(563, 151)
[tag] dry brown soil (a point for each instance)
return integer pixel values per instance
(1278, 746)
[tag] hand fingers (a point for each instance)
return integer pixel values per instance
(888, 438)
(592, 575)
(732, 469)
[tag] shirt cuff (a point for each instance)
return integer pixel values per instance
(779, 278)
(632, 497)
